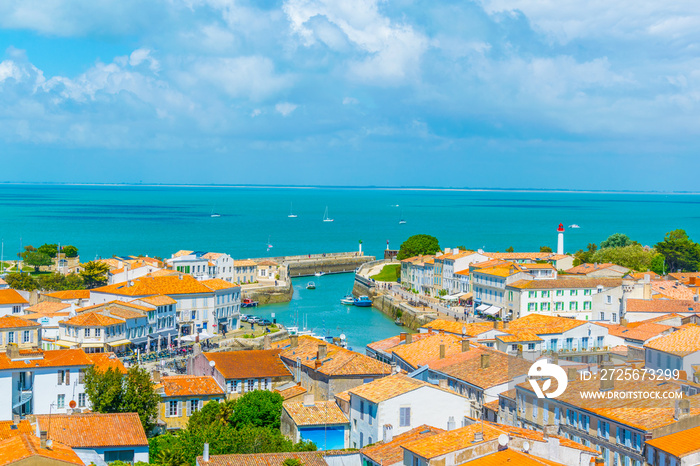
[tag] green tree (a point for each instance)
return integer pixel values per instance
(679, 251)
(585, 257)
(510, 249)
(632, 256)
(36, 259)
(111, 392)
(417, 245)
(545, 249)
(50, 250)
(60, 282)
(70, 251)
(21, 281)
(259, 408)
(94, 274)
(616, 240)
(658, 265)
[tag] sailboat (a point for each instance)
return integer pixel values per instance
(291, 215)
(401, 220)
(214, 214)
(269, 245)
(325, 216)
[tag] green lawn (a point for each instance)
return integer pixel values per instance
(390, 273)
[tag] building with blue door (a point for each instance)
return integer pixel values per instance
(321, 422)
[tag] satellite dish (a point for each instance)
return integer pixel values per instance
(212, 363)
(526, 446)
(342, 336)
(72, 404)
(503, 440)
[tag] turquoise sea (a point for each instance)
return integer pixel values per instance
(106, 220)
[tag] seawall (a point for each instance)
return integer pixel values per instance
(270, 294)
(310, 264)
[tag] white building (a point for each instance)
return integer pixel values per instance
(448, 264)
(48, 314)
(131, 271)
(11, 302)
(403, 403)
(417, 273)
(678, 350)
(39, 382)
(201, 305)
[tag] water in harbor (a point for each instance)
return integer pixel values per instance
(326, 316)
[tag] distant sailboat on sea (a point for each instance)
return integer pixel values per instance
(291, 215)
(269, 245)
(214, 214)
(401, 220)
(325, 216)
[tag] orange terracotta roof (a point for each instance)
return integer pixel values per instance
(645, 331)
(501, 271)
(306, 458)
(567, 283)
(10, 321)
(517, 336)
(537, 436)
(508, 456)
(26, 446)
(466, 366)
(587, 268)
(182, 252)
(267, 263)
(392, 342)
(48, 308)
(189, 385)
(90, 430)
(116, 304)
(244, 263)
(105, 361)
(125, 313)
(427, 349)
(8, 429)
(655, 320)
(460, 328)
(453, 440)
(672, 289)
(385, 388)
(212, 255)
(162, 285)
(464, 272)
(679, 444)
(640, 275)
(249, 364)
(219, 284)
(10, 296)
(665, 306)
(51, 358)
(544, 324)
(68, 295)
(392, 452)
(338, 362)
(682, 342)
(492, 405)
(686, 277)
(92, 319)
(343, 396)
(320, 413)
(535, 256)
(158, 300)
(291, 392)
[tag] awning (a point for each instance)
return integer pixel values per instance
(203, 335)
(188, 338)
(453, 297)
(119, 343)
(92, 345)
(482, 307)
(492, 310)
(65, 344)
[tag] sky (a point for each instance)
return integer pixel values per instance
(491, 93)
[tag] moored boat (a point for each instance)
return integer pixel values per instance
(311, 286)
(348, 299)
(363, 301)
(398, 322)
(248, 303)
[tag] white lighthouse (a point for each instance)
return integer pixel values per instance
(560, 239)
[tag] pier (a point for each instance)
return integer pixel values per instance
(310, 264)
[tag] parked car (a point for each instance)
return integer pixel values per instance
(264, 322)
(244, 318)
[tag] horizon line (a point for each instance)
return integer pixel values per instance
(367, 187)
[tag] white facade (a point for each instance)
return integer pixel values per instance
(425, 405)
(127, 273)
(204, 266)
(13, 303)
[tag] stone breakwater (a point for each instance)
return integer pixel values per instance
(270, 294)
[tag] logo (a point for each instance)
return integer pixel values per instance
(542, 368)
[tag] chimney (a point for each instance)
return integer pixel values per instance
(485, 362)
(322, 351)
(42, 439)
(180, 277)
(442, 383)
(495, 324)
(647, 291)
(409, 338)
(402, 337)
(455, 251)
(599, 462)
(317, 364)
(465, 345)
(682, 409)
(205, 453)
(308, 400)
(388, 432)
(478, 436)
(608, 383)
(155, 375)
(12, 351)
(293, 341)
(15, 419)
(550, 429)
(442, 351)
(267, 342)
(394, 368)
(451, 423)
(572, 374)
(623, 322)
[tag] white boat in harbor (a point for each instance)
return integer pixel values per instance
(291, 215)
(574, 226)
(348, 300)
(319, 274)
(325, 216)
(311, 286)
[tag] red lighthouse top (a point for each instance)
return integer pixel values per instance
(561, 227)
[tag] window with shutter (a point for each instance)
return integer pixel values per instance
(67, 376)
(81, 375)
(179, 409)
(60, 377)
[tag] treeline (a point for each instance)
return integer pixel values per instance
(676, 253)
(94, 274)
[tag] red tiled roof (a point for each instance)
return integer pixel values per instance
(16, 322)
(392, 452)
(664, 306)
(90, 430)
(8, 429)
(104, 361)
(188, 385)
(320, 413)
(52, 358)
(291, 392)
(68, 295)
(10, 296)
(48, 307)
(92, 319)
(25, 446)
(306, 458)
(249, 364)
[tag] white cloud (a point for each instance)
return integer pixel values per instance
(350, 101)
(285, 108)
(8, 69)
(256, 112)
(141, 55)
